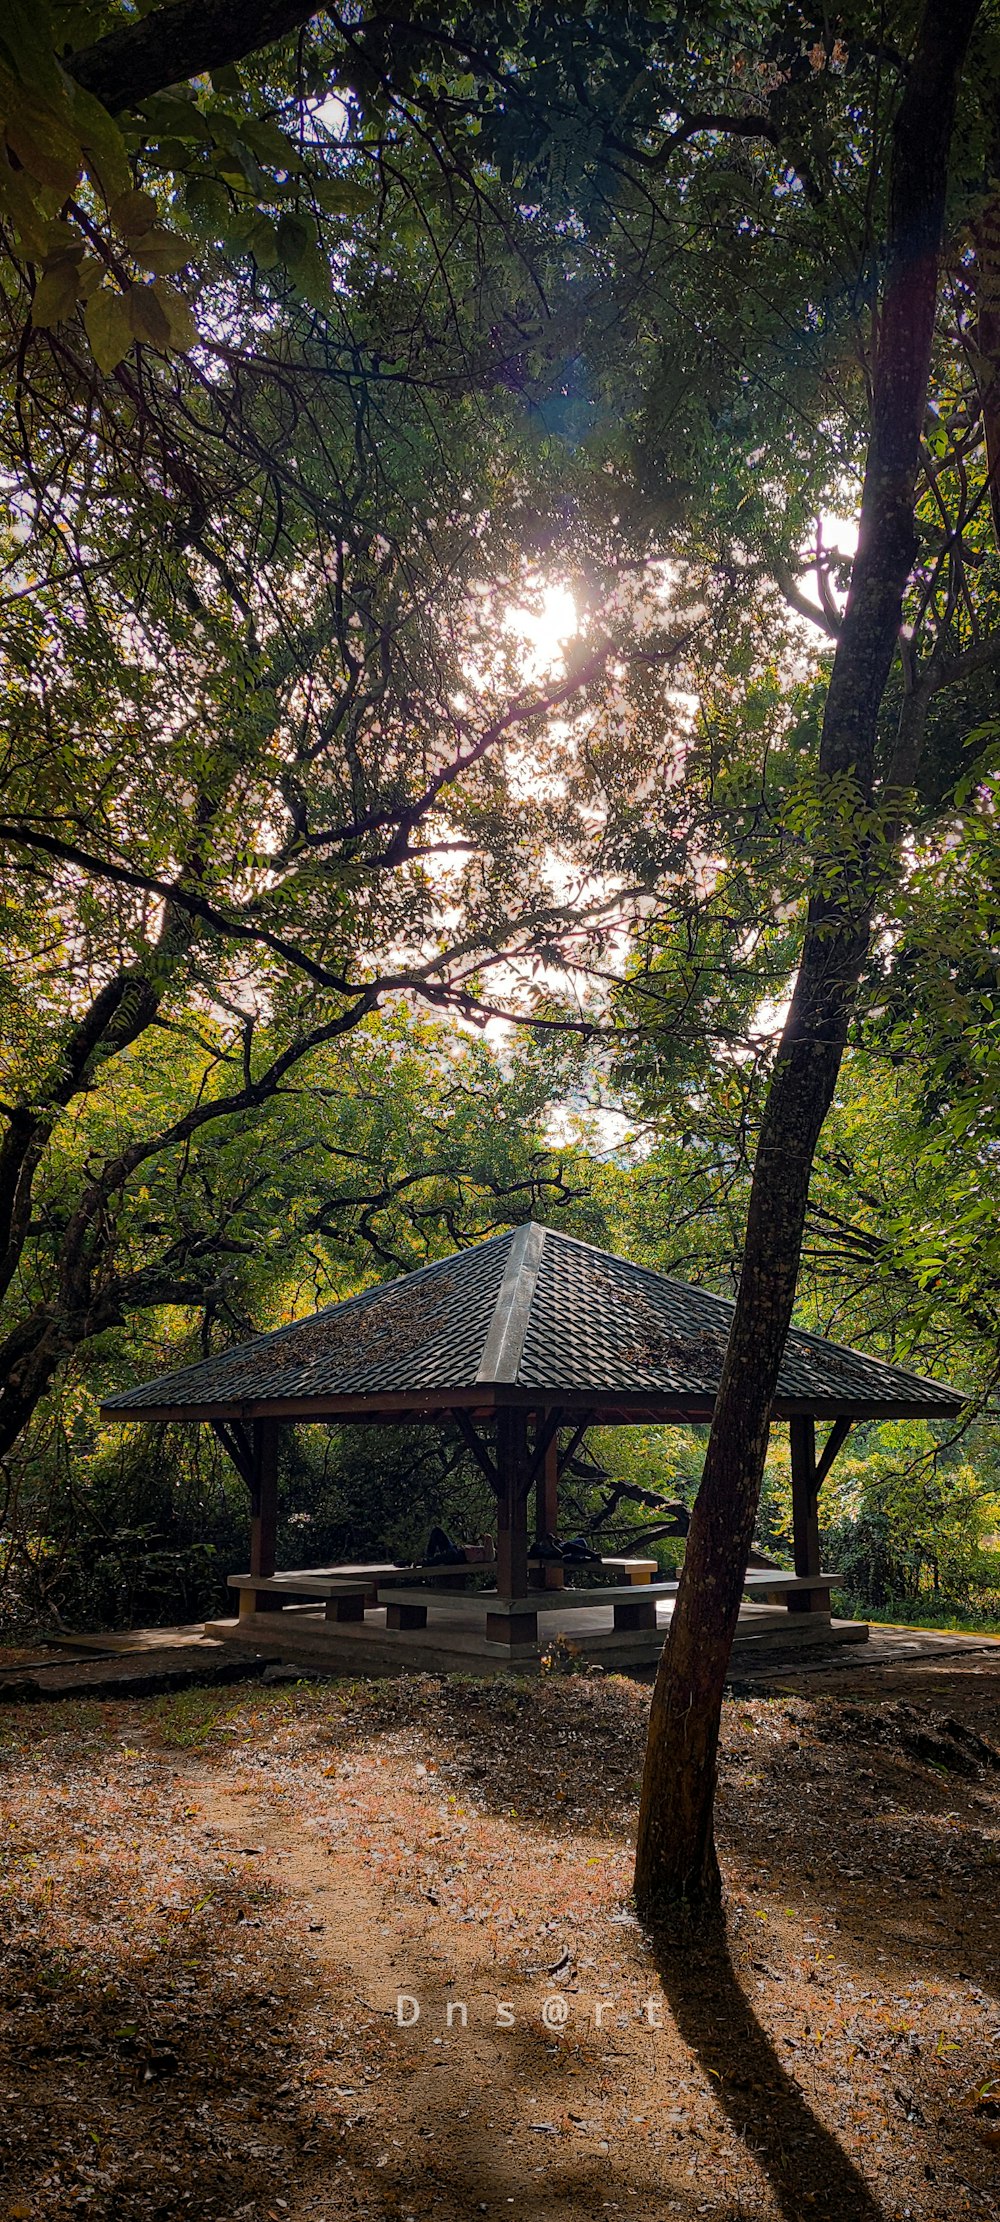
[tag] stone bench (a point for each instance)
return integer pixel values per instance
(344, 1591)
(799, 1592)
(514, 1620)
(638, 1572)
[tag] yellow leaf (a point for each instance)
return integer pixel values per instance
(109, 328)
(56, 294)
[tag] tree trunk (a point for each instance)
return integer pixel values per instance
(676, 1857)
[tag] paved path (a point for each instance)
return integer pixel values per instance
(140, 1660)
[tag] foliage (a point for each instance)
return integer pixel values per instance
(907, 1524)
(265, 719)
(402, 1144)
(319, 356)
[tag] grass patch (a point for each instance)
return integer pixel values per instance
(904, 1615)
(80, 1717)
(188, 1719)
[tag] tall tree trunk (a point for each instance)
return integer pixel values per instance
(986, 336)
(676, 1858)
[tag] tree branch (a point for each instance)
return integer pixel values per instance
(791, 592)
(177, 43)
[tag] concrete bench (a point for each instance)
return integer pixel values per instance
(799, 1592)
(638, 1572)
(344, 1591)
(337, 1587)
(511, 1620)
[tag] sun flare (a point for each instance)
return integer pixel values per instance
(544, 628)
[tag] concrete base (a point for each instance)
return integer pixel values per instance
(299, 1636)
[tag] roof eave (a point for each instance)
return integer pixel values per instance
(608, 1406)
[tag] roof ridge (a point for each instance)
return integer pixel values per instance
(505, 1338)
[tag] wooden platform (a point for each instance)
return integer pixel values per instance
(453, 1641)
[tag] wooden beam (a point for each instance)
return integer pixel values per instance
(237, 1446)
(835, 1441)
(264, 1498)
(545, 1435)
(471, 1437)
(547, 1488)
(805, 1517)
(805, 1511)
(552, 1574)
(602, 1407)
(512, 1523)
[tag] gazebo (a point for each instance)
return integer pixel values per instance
(522, 1342)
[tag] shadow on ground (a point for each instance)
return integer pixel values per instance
(808, 2170)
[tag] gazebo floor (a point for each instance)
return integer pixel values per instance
(300, 1635)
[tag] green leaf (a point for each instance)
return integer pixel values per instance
(170, 116)
(343, 196)
(27, 38)
(183, 331)
(161, 251)
(44, 144)
(148, 320)
(22, 201)
(270, 145)
(133, 213)
(108, 328)
(208, 205)
(300, 251)
(90, 273)
(56, 294)
(262, 242)
(311, 273)
(102, 142)
(292, 238)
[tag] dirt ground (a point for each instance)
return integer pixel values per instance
(220, 1911)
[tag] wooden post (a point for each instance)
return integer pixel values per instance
(805, 1513)
(263, 1516)
(512, 1507)
(547, 1511)
(547, 1493)
(641, 1614)
(406, 1616)
(511, 1628)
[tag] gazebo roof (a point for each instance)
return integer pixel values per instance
(532, 1318)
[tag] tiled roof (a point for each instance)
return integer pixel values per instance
(531, 1310)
